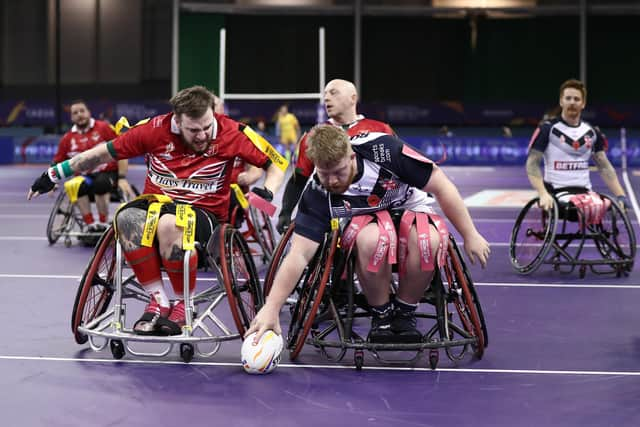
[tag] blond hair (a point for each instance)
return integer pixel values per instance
(193, 101)
(327, 145)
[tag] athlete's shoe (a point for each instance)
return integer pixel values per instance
(380, 329)
(404, 328)
(176, 320)
(153, 315)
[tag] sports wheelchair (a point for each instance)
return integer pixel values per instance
(66, 221)
(328, 306)
(257, 230)
(108, 286)
(562, 237)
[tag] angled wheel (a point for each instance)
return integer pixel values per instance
(618, 238)
(311, 294)
(263, 232)
(279, 253)
(532, 235)
(60, 219)
(465, 298)
(240, 278)
(96, 285)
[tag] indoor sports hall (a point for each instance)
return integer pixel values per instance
(560, 344)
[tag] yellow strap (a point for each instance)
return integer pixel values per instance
(123, 123)
(264, 146)
(240, 196)
(185, 218)
(155, 198)
(189, 228)
(72, 186)
(335, 224)
(151, 224)
(161, 198)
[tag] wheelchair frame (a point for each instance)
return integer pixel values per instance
(555, 244)
(65, 218)
(69, 221)
(321, 309)
(96, 321)
(259, 230)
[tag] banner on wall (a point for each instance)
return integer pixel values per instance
(42, 113)
(477, 151)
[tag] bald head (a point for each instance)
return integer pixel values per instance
(340, 99)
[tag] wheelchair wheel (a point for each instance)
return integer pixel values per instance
(60, 218)
(240, 277)
(263, 232)
(465, 298)
(618, 238)
(531, 236)
(311, 295)
(278, 255)
(96, 285)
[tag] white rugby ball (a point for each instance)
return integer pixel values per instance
(263, 356)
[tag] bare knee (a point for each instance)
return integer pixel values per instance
(367, 241)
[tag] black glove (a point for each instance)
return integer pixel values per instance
(624, 202)
(263, 192)
(284, 221)
(43, 184)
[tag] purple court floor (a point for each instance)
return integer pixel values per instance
(563, 351)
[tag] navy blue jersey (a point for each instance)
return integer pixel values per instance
(390, 175)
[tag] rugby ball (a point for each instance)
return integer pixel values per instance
(261, 357)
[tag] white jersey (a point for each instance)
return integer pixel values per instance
(390, 176)
(567, 150)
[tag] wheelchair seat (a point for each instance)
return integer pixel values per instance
(564, 238)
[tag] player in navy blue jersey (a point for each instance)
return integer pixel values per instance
(567, 143)
(379, 184)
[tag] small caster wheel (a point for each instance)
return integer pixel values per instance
(80, 337)
(186, 352)
(358, 358)
(583, 271)
(67, 243)
(618, 271)
(434, 357)
(117, 349)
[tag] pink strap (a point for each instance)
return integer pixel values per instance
(424, 231)
(261, 204)
(351, 232)
(443, 230)
(387, 240)
(592, 206)
(385, 222)
(403, 247)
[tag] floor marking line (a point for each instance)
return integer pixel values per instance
(555, 285)
(316, 366)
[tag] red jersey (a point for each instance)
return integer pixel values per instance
(76, 141)
(237, 168)
(305, 166)
(173, 169)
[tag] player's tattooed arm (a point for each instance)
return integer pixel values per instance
(533, 163)
(87, 160)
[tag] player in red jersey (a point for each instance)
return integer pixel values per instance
(340, 100)
(86, 133)
(190, 153)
